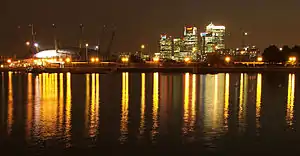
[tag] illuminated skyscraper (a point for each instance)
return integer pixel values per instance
(190, 40)
(178, 47)
(213, 39)
(165, 47)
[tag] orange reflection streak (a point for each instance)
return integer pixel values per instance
(94, 105)
(226, 102)
(142, 122)
(290, 100)
(241, 97)
(87, 101)
(186, 103)
(61, 101)
(68, 106)
(50, 106)
(124, 115)
(29, 106)
(215, 103)
(92, 108)
(193, 108)
(37, 104)
(155, 106)
(10, 104)
(97, 103)
(258, 99)
(2, 99)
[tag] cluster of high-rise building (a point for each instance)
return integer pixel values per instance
(198, 45)
(193, 44)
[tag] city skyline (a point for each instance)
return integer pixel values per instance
(142, 23)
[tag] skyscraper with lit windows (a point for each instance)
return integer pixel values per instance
(213, 39)
(190, 40)
(165, 47)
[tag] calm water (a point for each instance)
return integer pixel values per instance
(153, 113)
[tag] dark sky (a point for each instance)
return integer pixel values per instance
(142, 21)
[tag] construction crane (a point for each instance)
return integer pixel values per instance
(106, 29)
(108, 51)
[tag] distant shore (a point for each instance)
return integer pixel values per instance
(184, 69)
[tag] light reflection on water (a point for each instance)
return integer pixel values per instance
(290, 100)
(124, 110)
(153, 105)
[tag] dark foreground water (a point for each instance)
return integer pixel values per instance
(149, 114)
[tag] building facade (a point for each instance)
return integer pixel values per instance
(165, 47)
(178, 47)
(191, 42)
(213, 39)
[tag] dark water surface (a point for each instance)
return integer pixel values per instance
(149, 114)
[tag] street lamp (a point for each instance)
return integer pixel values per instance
(124, 59)
(92, 59)
(27, 43)
(259, 59)
(68, 60)
(155, 59)
(8, 60)
(292, 59)
(36, 45)
(187, 60)
(142, 46)
(227, 59)
(86, 51)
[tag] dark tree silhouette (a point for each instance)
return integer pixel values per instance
(215, 59)
(272, 54)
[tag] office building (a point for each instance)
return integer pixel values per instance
(213, 39)
(190, 40)
(165, 47)
(178, 47)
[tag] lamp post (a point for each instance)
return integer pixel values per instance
(142, 50)
(54, 37)
(243, 39)
(86, 51)
(97, 48)
(227, 59)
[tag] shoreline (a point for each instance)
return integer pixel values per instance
(195, 70)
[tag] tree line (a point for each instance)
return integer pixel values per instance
(273, 54)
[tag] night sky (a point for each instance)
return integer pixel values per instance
(142, 21)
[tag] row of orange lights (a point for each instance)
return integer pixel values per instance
(94, 59)
(228, 59)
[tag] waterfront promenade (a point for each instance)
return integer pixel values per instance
(162, 69)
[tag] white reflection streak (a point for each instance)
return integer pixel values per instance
(142, 122)
(290, 100)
